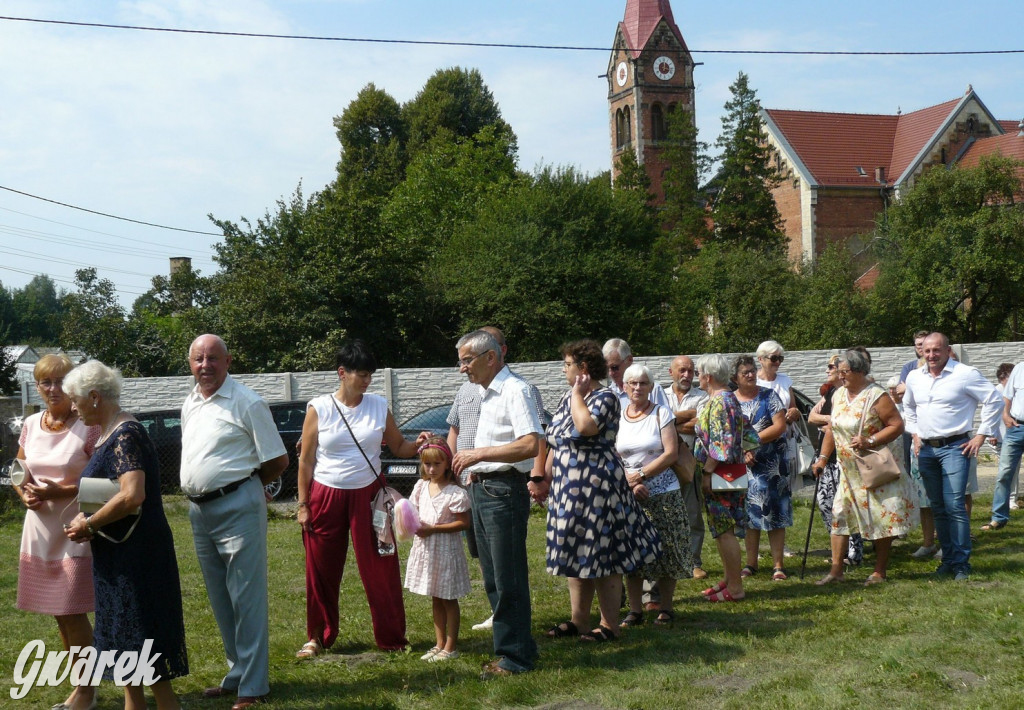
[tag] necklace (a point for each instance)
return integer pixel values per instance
(637, 414)
(110, 427)
(54, 425)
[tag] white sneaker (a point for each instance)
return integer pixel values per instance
(443, 655)
(429, 655)
(786, 552)
(923, 552)
(938, 555)
(485, 625)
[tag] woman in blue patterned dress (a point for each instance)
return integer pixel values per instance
(722, 435)
(769, 497)
(596, 531)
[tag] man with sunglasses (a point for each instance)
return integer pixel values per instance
(619, 357)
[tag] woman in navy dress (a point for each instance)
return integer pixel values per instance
(135, 573)
(596, 531)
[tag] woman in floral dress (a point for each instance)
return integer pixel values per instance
(596, 531)
(769, 497)
(880, 513)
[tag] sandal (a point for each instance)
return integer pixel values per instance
(566, 628)
(598, 635)
(715, 589)
(724, 596)
(633, 618)
(665, 617)
(748, 571)
(874, 578)
(310, 649)
(993, 526)
(829, 579)
(778, 575)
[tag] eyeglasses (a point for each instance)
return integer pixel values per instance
(49, 384)
(775, 358)
(635, 384)
(844, 372)
(567, 365)
(746, 373)
(614, 368)
(467, 361)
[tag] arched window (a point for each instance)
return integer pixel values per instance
(628, 133)
(620, 129)
(658, 132)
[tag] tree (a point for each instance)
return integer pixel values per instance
(8, 374)
(831, 312)
(456, 103)
(372, 133)
(949, 255)
(744, 211)
(555, 258)
(685, 210)
(38, 311)
(95, 322)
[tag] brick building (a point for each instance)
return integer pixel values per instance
(650, 73)
(840, 170)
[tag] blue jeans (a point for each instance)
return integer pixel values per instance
(944, 471)
(501, 507)
(1009, 463)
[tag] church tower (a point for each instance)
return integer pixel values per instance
(650, 73)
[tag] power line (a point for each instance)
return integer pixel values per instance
(500, 45)
(105, 214)
(65, 281)
(94, 244)
(134, 240)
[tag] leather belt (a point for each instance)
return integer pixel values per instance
(220, 492)
(946, 440)
(478, 476)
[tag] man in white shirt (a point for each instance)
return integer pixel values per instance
(939, 407)
(684, 399)
(230, 449)
(619, 357)
(507, 436)
(1012, 448)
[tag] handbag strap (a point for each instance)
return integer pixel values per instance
(868, 405)
(377, 474)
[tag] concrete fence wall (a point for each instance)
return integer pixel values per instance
(411, 390)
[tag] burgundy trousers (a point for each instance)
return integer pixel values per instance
(336, 513)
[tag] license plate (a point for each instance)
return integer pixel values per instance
(402, 469)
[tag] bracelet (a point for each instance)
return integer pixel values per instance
(89, 528)
(821, 457)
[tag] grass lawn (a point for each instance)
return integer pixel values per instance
(911, 643)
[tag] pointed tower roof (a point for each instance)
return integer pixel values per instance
(640, 21)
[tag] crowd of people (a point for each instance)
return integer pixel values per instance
(631, 475)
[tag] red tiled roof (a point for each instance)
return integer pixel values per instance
(1010, 126)
(1009, 146)
(640, 20)
(833, 145)
(913, 131)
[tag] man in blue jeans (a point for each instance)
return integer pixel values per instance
(507, 437)
(939, 407)
(1013, 447)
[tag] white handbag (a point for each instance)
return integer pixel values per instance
(94, 493)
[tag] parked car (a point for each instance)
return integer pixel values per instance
(403, 473)
(164, 427)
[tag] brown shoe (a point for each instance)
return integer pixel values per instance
(491, 669)
(247, 701)
(698, 573)
(218, 692)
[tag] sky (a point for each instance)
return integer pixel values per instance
(168, 128)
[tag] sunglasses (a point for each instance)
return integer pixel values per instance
(830, 367)
(775, 358)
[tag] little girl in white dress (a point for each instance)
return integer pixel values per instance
(437, 564)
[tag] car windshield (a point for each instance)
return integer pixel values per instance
(433, 419)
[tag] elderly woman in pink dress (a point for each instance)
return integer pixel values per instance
(54, 573)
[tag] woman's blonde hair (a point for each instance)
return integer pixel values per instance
(52, 366)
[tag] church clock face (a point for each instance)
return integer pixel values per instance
(621, 74)
(664, 68)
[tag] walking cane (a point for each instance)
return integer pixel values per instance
(810, 524)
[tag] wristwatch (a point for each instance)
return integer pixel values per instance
(871, 441)
(536, 479)
(89, 528)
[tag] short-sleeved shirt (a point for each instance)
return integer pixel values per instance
(693, 399)
(639, 443)
(465, 412)
(225, 437)
(781, 386)
(507, 413)
(1013, 390)
(339, 463)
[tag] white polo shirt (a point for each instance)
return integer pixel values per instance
(225, 437)
(1013, 390)
(694, 399)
